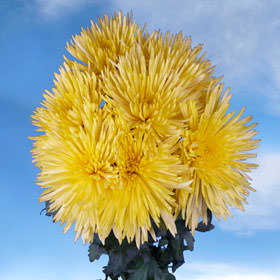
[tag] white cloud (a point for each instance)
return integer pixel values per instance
(262, 213)
(273, 58)
(56, 8)
(220, 271)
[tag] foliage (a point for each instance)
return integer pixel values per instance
(153, 259)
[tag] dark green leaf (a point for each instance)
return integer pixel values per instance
(140, 273)
(120, 256)
(147, 268)
(165, 257)
(147, 271)
(168, 276)
(203, 227)
(176, 265)
(177, 248)
(189, 239)
(181, 228)
(95, 251)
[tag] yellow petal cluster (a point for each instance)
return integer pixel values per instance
(101, 45)
(162, 144)
(213, 147)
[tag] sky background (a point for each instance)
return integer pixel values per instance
(241, 37)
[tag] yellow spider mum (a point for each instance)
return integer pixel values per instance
(74, 100)
(214, 147)
(146, 179)
(76, 152)
(151, 80)
(101, 45)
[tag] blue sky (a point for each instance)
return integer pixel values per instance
(241, 37)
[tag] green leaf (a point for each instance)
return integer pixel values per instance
(181, 228)
(203, 227)
(189, 239)
(168, 276)
(148, 271)
(165, 257)
(177, 248)
(120, 256)
(95, 251)
(176, 265)
(177, 252)
(140, 273)
(156, 273)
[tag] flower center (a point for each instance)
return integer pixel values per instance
(131, 167)
(202, 153)
(143, 110)
(95, 169)
(209, 154)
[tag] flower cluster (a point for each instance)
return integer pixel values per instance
(136, 128)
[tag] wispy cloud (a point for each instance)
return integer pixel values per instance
(221, 271)
(51, 9)
(262, 213)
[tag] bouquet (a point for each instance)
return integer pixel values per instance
(137, 149)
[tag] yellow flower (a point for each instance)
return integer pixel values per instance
(76, 152)
(152, 79)
(101, 45)
(146, 179)
(74, 100)
(214, 147)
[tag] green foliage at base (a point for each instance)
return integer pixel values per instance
(152, 260)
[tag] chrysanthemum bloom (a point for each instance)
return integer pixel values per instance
(101, 45)
(76, 152)
(214, 147)
(146, 179)
(150, 81)
(65, 107)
